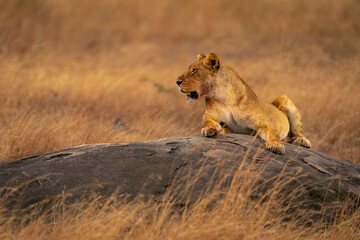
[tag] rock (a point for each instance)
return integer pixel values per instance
(148, 169)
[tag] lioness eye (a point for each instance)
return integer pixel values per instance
(193, 70)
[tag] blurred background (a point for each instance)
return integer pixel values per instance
(86, 71)
(77, 72)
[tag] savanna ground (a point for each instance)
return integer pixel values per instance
(79, 72)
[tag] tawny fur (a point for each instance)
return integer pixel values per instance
(232, 103)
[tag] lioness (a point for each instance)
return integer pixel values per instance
(231, 105)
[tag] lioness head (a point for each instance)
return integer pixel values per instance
(197, 80)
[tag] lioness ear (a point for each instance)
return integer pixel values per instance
(212, 61)
(200, 56)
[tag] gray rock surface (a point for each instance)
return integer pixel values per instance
(148, 169)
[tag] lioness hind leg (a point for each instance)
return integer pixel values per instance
(285, 104)
(272, 140)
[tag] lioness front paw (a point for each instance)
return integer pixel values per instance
(302, 141)
(210, 131)
(276, 147)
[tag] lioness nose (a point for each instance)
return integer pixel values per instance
(178, 82)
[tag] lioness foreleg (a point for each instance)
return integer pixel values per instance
(211, 126)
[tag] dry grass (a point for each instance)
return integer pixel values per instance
(234, 215)
(70, 69)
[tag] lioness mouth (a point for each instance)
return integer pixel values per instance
(193, 95)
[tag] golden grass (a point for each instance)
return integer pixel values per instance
(234, 215)
(70, 69)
